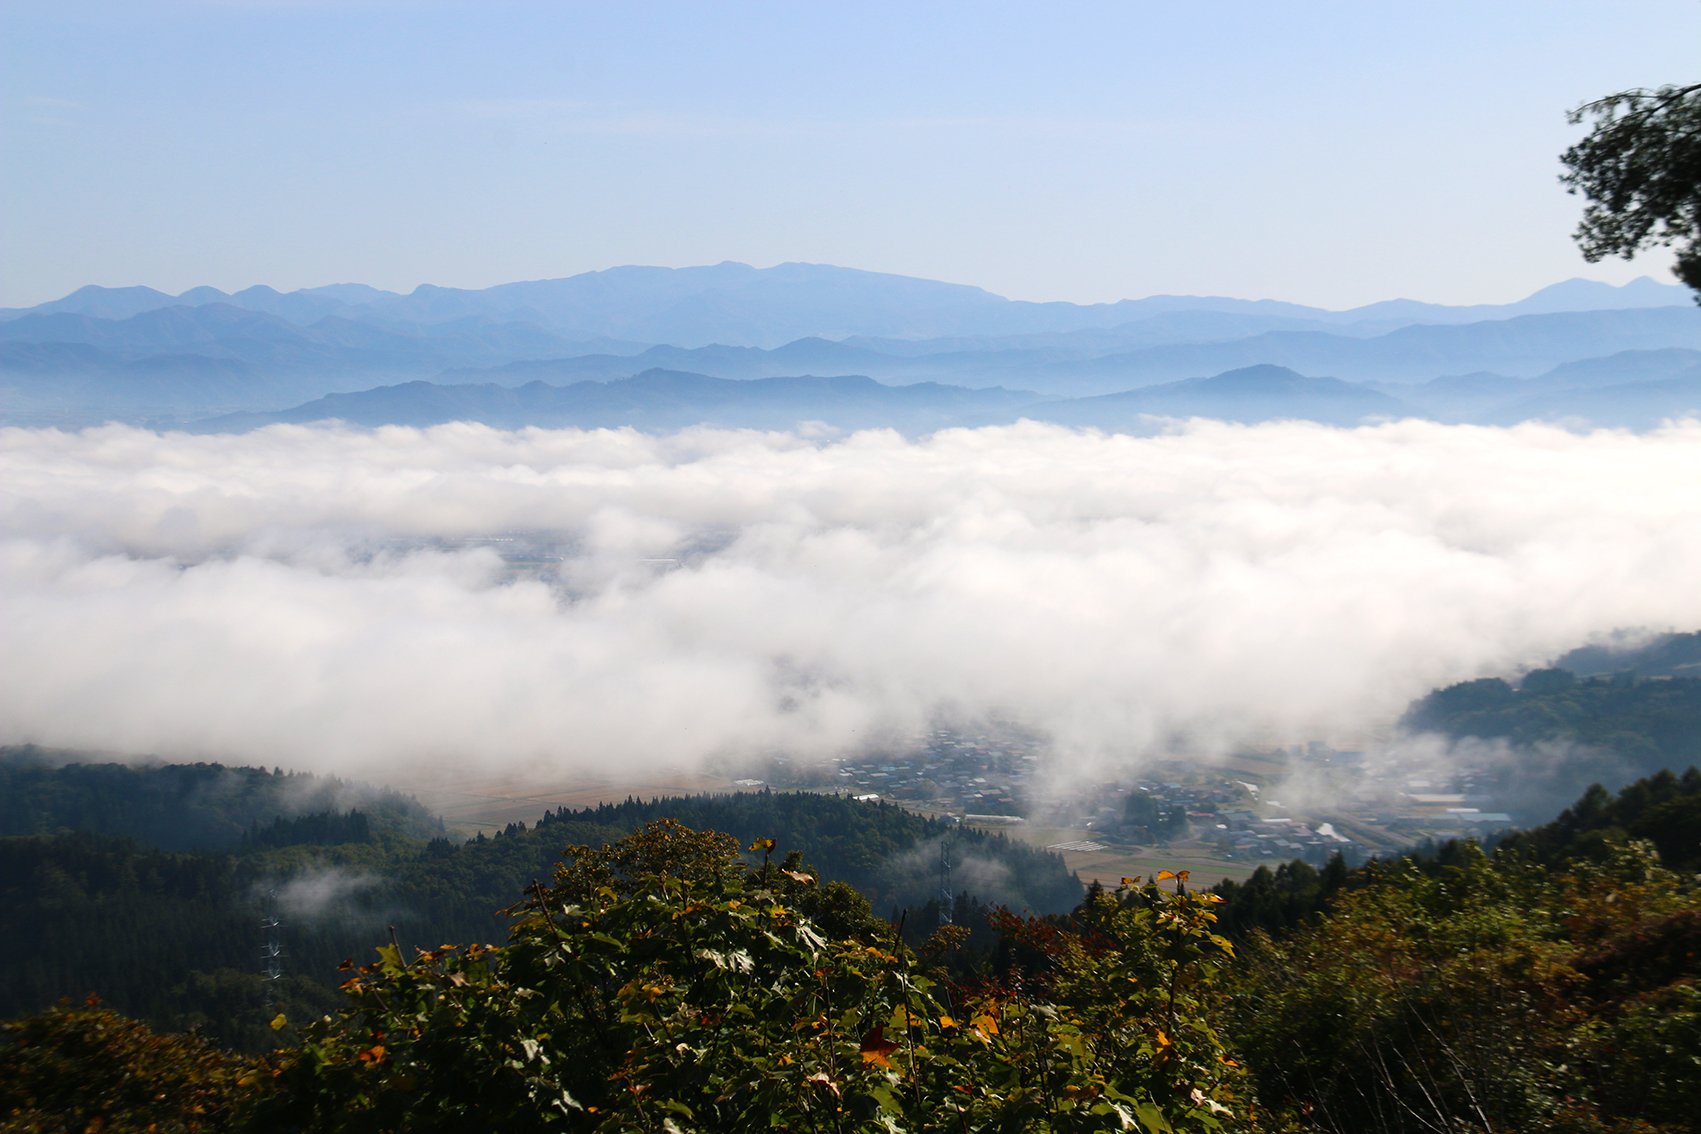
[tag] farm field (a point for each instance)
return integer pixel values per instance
(1112, 864)
(489, 803)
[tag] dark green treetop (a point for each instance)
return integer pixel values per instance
(1639, 167)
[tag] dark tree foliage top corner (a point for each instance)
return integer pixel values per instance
(1639, 168)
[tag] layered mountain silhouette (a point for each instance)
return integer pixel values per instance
(657, 401)
(134, 354)
(1250, 394)
(220, 330)
(736, 304)
(1527, 345)
(664, 400)
(1492, 398)
(1625, 405)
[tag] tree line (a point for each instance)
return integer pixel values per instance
(172, 937)
(181, 806)
(681, 980)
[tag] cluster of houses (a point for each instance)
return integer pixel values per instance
(951, 770)
(1243, 834)
(988, 775)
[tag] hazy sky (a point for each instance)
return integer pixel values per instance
(1328, 153)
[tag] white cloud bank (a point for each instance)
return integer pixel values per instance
(266, 597)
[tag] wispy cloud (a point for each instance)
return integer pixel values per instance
(320, 894)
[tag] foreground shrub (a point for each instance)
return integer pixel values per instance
(660, 985)
(85, 1068)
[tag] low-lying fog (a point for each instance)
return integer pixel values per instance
(329, 600)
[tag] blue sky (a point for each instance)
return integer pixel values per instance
(1327, 153)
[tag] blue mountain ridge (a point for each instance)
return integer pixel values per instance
(663, 401)
(204, 354)
(744, 306)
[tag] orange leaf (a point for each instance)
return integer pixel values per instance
(876, 1047)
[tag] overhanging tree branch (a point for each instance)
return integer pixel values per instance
(1639, 168)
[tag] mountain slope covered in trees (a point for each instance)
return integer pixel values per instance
(170, 934)
(664, 980)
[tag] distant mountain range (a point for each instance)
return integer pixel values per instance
(658, 401)
(138, 354)
(665, 400)
(738, 305)
(1526, 345)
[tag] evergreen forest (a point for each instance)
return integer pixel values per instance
(170, 935)
(1543, 740)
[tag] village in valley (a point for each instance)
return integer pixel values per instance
(1217, 816)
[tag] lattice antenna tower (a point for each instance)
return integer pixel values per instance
(947, 898)
(271, 950)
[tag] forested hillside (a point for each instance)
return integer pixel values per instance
(1537, 745)
(1664, 810)
(172, 936)
(1650, 723)
(169, 937)
(1476, 993)
(180, 806)
(890, 854)
(666, 981)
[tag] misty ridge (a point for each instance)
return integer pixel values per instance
(188, 807)
(662, 349)
(321, 894)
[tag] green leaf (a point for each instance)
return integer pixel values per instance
(1153, 1119)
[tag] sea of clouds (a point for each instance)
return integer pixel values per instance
(305, 596)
